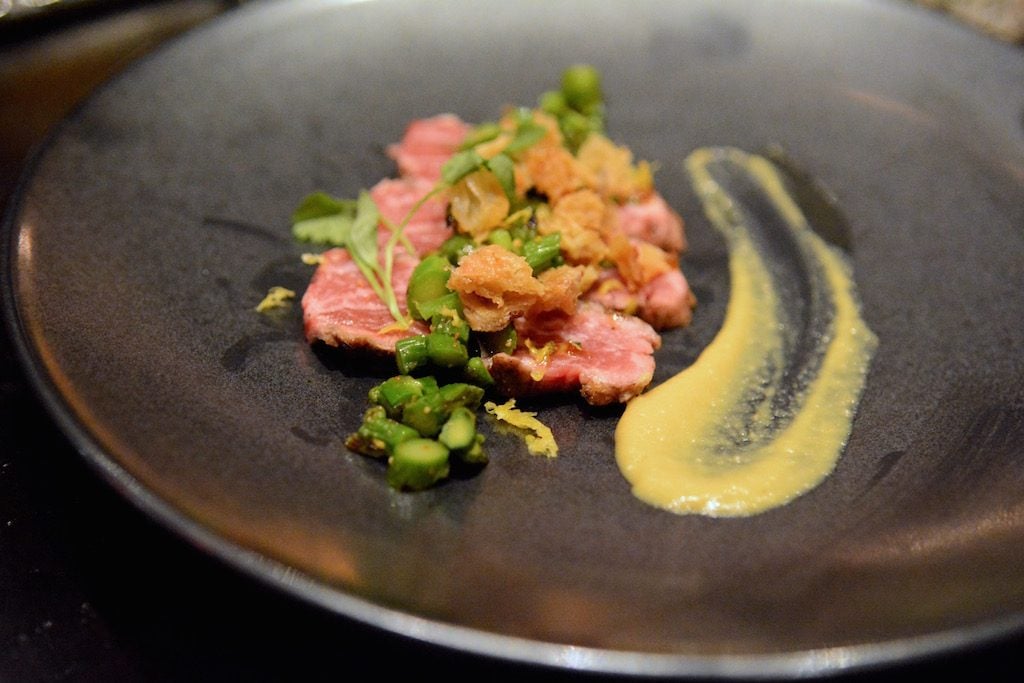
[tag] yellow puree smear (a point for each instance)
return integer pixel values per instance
(676, 444)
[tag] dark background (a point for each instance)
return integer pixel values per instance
(93, 590)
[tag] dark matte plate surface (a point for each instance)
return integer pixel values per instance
(157, 217)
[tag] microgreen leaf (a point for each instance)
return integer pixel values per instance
(482, 133)
(320, 204)
(362, 242)
(327, 230)
(460, 165)
(503, 168)
(528, 133)
(323, 219)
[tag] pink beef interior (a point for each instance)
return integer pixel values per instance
(606, 356)
(341, 309)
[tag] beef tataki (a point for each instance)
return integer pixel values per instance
(606, 356)
(427, 144)
(652, 220)
(665, 302)
(427, 229)
(341, 309)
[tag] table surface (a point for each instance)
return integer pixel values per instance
(91, 588)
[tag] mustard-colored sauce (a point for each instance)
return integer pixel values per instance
(764, 413)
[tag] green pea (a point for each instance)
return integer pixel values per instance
(581, 87)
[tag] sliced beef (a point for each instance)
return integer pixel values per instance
(654, 221)
(339, 306)
(428, 227)
(665, 302)
(341, 309)
(607, 357)
(426, 146)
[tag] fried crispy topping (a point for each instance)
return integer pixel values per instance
(495, 285)
(612, 170)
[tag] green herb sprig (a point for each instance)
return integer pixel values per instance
(352, 224)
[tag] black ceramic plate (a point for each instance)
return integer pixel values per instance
(157, 217)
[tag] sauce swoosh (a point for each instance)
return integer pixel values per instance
(765, 412)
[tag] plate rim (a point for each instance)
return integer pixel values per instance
(299, 585)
